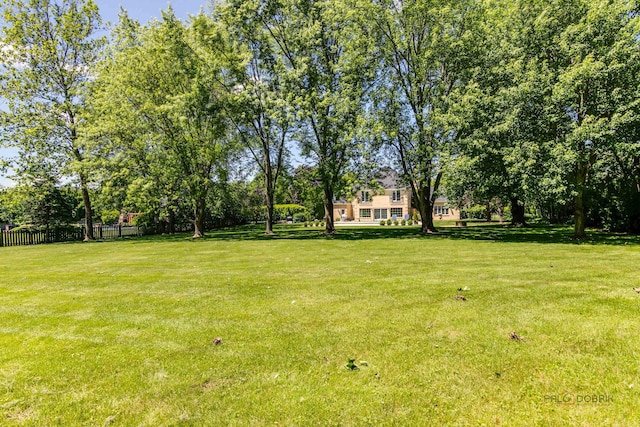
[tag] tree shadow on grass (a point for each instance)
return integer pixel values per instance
(495, 233)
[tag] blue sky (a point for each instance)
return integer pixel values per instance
(141, 10)
(144, 10)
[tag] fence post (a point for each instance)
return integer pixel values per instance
(119, 230)
(1, 238)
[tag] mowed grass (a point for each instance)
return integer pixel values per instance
(121, 333)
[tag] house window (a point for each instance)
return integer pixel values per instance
(397, 212)
(441, 210)
(365, 213)
(365, 196)
(379, 214)
(395, 196)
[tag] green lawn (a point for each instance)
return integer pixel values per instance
(121, 333)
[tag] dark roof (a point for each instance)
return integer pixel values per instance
(389, 179)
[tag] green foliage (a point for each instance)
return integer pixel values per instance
(475, 212)
(12, 205)
(303, 188)
(41, 204)
(323, 66)
(596, 96)
(528, 106)
(160, 96)
(556, 95)
(110, 216)
(427, 50)
(261, 116)
(46, 50)
(300, 217)
(282, 212)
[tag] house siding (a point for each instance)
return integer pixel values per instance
(384, 203)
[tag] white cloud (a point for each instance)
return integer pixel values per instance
(10, 57)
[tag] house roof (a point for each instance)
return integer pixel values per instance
(389, 179)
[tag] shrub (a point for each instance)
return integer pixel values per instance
(475, 212)
(300, 217)
(306, 223)
(382, 222)
(395, 222)
(389, 221)
(282, 212)
(110, 216)
(316, 223)
(403, 222)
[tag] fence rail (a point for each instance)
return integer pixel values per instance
(23, 237)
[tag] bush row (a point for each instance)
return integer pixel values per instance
(401, 222)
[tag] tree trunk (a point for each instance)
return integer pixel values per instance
(517, 213)
(426, 210)
(269, 225)
(88, 213)
(580, 214)
(198, 222)
(487, 212)
(172, 222)
(269, 187)
(329, 227)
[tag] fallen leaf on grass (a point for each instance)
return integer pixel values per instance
(109, 420)
(515, 337)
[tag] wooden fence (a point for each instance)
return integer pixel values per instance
(22, 237)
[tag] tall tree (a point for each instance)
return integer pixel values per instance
(426, 48)
(257, 108)
(323, 62)
(595, 90)
(46, 50)
(507, 120)
(159, 78)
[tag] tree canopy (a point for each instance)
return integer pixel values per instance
(530, 106)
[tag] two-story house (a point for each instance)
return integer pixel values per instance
(391, 201)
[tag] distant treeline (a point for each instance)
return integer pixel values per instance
(532, 106)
